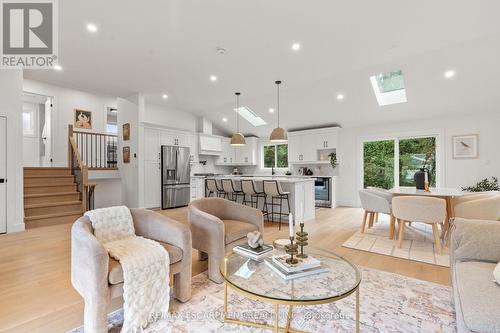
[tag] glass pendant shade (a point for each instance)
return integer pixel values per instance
(237, 139)
(278, 135)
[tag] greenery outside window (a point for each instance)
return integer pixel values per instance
(275, 156)
(389, 163)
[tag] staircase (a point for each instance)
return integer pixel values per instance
(50, 197)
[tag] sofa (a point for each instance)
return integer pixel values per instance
(474, 254)
(480, 205)
(98, 278)
(217, 225)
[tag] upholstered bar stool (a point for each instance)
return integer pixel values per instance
(231, 192)
(272, 188)
(419, 209)
(213, 188)
(249, 190)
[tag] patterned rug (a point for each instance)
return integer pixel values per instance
(418, 244)
(389, 303)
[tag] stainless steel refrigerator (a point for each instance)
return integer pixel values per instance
(175, 176)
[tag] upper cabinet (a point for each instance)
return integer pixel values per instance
(304, 146)
(238, 155)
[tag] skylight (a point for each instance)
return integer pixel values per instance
(389, 88)
(251, 116)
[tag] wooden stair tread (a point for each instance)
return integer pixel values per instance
(40, 195)
(48, 216)
(46, 168)
(53, 204)
(48, 185)
(50, 176)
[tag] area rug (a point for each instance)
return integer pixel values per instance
(418, 244)
(389, 303)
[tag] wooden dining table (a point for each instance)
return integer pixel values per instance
(438, 192)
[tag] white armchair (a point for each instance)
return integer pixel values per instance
(479, 206)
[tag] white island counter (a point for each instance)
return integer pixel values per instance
(300, 188)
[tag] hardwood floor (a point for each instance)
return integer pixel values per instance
(35, 288)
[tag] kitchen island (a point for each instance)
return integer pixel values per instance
(301, 189)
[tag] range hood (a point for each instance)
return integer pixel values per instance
(209, 144)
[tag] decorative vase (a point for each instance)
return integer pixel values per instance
(419, 178)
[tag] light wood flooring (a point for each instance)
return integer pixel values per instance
(35, 288)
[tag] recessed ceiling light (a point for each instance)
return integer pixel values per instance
(449, 74)
(164, 96)
(295, 46)
(91, 27)
(271, 110)
(340, 97)
(213, 78)
(224, 119)
(57, 67)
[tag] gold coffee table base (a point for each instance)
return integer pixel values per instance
(276, 328)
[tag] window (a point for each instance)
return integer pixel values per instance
(29, 122)
(275, 156)
(380, 159)
(389, 88)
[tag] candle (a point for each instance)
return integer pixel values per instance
(291, 225)
(426, 177)
(300, 212)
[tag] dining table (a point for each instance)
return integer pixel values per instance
(437, 192)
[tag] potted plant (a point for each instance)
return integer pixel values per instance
(333, 159)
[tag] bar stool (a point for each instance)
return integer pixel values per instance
(273, 189)
(213, 188)
(230, 192)
(248, 188)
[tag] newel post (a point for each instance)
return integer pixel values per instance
(70, 152)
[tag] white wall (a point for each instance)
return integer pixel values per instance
(172, 118)
(11, 93)
(454, 172)
(65, 101)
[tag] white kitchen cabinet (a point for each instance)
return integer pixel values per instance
(152, 185)
(174, 138)
(227, 155)
(247, 154)
(197, 188)
(151, 145)
(303, 146)
(193, 148)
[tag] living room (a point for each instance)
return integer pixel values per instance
(355, 145)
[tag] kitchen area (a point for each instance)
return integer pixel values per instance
(185, 160)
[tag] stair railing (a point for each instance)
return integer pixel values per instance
(98, 151)
(78, 169)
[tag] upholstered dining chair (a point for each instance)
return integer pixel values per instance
(373, 203)
(217, 225)
(419, 209)
(479, 206)
(98, 278)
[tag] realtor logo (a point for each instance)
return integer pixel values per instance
(29, 34)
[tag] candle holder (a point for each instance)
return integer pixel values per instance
(302, 241)
(292, 250)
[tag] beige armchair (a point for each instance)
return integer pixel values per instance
(217, 225)
(99, 278)
(480, 206)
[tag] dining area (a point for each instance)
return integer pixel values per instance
(415, 224)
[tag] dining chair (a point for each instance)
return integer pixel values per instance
(419, 209)
(373, 204)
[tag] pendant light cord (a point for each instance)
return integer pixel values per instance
(237, 112)
(278, 93)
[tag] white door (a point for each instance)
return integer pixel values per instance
(152, 185)
(46, 135)
(3, 175)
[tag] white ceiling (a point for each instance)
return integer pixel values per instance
(161, 46)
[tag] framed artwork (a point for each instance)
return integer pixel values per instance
(83, 119)
(126, 154)
(126, 132)
(465, 146)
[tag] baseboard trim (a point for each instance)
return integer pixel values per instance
(16, 228)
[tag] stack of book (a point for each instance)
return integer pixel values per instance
(255, 254)
(305, 267)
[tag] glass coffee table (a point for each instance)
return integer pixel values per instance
(256, 280)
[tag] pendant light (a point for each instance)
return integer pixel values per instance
(237, 139)
(278, 134)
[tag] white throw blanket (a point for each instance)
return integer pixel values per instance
(145, 265)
